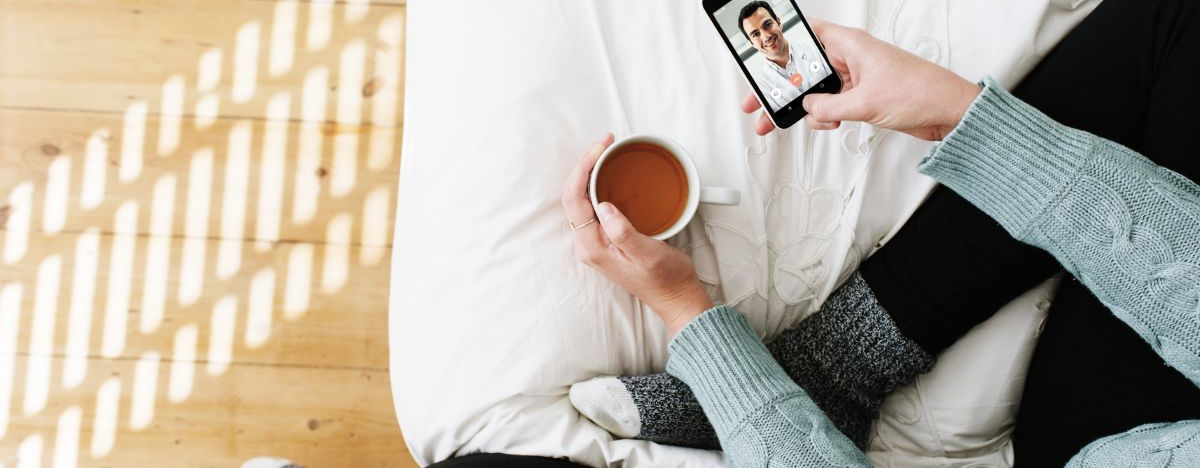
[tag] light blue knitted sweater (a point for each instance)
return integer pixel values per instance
(1125, 227)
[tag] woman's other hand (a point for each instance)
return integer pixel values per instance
(882, 85)
(660, 275)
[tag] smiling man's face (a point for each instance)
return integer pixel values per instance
(766, 34)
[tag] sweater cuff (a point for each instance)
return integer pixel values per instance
(1008, 159)
(720, 357)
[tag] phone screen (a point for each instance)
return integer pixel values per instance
(776, 49)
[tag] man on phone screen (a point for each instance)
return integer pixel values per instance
(790, 68)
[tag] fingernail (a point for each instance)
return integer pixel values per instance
(606, 211)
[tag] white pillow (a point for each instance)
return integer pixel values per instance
(492, 319)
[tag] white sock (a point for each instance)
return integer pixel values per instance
(606, 402)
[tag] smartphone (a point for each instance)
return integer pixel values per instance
(777, 51)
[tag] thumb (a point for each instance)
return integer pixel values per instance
(621, 232)
(834, 107)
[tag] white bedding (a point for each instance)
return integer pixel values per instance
(491, 317)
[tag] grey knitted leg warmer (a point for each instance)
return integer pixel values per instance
(669, 411)
(848, 357)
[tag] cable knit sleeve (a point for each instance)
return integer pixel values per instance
(1168, 445)
(1124, 226)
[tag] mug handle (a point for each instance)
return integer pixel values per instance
(720, 196)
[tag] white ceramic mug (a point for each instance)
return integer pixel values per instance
(697, 193)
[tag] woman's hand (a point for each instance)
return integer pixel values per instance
(882, 85)
(660, 275)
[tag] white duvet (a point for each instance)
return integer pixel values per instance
(491, 317)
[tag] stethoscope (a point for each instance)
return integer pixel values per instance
(813, 66)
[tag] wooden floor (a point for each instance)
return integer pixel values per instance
(196, 211)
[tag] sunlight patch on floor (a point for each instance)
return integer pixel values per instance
(145, 391)
(66, 440)
(132, 137)
(220, 338)
(299, 280)
(120, 278)
(158, 254)
(95, 169)
(83, 297)
(283, 38)
(41, 340)
(260, 308)
(104, 422)
(337, 253)
(183, 363)
(245, 62)
(170, 122)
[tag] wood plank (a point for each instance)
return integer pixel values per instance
(119, 296)
(234, 179)
(205, 57)
(318, 417)
(209, 183)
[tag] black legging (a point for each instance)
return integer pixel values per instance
(499, 460)
(1127, 73)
